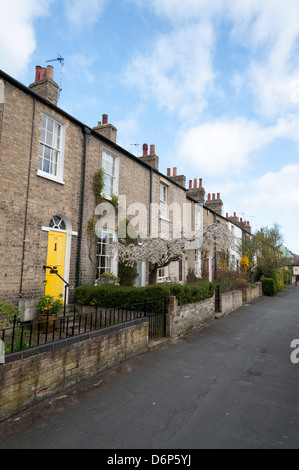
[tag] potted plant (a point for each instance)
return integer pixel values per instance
(48, 308)
(106, 278)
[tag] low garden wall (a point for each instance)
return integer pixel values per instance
(230, 301)
(28, 377)
(252, 292)
(181, 319)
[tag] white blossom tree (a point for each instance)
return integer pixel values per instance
(158, 252)
(218, 234)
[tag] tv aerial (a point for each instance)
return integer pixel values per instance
(61, 60)
(137, 147)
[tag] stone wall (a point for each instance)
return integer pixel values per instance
(181, 319)
(252, 293)
(230, 301)
(30, 376)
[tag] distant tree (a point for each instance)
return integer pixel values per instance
(270, 253)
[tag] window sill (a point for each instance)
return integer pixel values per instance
(49, 177)
(164, 218)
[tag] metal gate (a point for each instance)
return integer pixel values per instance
(155, 310)
(217, 299)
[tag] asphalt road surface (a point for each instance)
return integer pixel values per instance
(229, 385)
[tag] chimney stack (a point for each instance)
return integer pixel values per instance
(151, 159)
(44, 84)
(105, 129)
(214, 204)
(179, 179)
(196, 192)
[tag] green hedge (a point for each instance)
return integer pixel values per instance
(109, 295)
(269, 286)
(277, 275)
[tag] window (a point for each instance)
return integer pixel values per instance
(233, 262)
(197, 263)
(57, 223)
(196, 217)
(106, 258)
(50, 161)
(163, 273)
(163, 201)
(110, 167)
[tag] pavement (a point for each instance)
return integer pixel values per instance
(228, 385)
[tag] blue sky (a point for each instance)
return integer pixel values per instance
(213, 84)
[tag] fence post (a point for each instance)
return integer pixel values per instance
(13, 332)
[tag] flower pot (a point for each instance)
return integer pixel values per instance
(43, 320)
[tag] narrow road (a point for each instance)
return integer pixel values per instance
(228, 385)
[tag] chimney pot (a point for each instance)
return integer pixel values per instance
(241, 220)
(235, 214)
(105, 118)
(145, 150)
(168, 171)
(43, 73)
(49, 72)
(200, 182)
(218, 195)
(227, 215)
(152, 150)
(213, 196)
(37, 73)
(195, 183)
(209, 196)
(190, 184)
(175, 172)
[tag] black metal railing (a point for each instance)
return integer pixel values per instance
(21, 335)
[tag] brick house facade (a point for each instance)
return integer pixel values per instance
(47, 163)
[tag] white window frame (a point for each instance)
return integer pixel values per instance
(110, 265)
(51, 147)
(163, 201)
(114, 175)
(197, 263)
(163, 273)
(197, 217)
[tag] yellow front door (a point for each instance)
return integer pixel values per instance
(55, 258)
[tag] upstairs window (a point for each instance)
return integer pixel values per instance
(163, 201)
(50, 161)
(196, 217)
(110, 167)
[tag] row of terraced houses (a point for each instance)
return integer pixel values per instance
(48, 160)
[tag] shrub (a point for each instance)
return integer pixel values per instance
(110, 296)
(269, 286)
(277, 275)
(287, 276)
(48, 304)
(7, 314)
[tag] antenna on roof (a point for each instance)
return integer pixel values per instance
(61, 60)
(136, 145)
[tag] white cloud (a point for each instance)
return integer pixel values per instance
(268, 32)
(277, 190)
(83, 13)
(225, 147)
(274, 197)
(17, 38)
(177, 71)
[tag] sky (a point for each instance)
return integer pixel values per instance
(213, 84)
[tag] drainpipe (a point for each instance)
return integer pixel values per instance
(27, 200)
(86, 131)
(151, 200)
